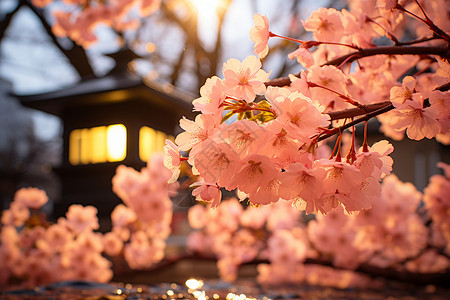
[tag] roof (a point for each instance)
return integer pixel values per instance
(108, 89)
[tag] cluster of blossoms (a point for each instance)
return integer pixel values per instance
(142, 223)
(82, 17)
(437, 203)
(236, 235)
(34, 252)
(391, 235)
(263, 138)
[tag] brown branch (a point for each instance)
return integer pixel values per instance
(76, 55)
(392, 273)
(354, 112)
(375, 110)
(370, 270)
(443, 52)
(367, 117)
(391, 50)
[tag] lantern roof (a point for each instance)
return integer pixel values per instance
(112, 88)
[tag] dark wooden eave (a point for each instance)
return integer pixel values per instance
(106, 90)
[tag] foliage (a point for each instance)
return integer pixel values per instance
(394, 235)
(34, 251)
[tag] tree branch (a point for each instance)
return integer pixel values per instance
(354, 112)
(76, 55)
(443, 52)
(367, 117)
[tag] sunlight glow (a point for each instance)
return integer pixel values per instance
(205, 5)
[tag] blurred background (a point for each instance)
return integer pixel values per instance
(173, 52)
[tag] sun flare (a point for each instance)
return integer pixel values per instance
(205, 5)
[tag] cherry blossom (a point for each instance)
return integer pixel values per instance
(217, 163)
(308, 186)
(300, 117)
(244, 79)
(259, 34)
(31, 197)
(209, 193)
(143, 223)
(195, 132)
(326, 24)
(303, 56)
(442, 74)
(172, 160)
(212, 96)
(81, 218)
(401, 94)
(419, 122)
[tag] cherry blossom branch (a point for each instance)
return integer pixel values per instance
(418, 41)
(392, 273)
(443, 52)
(354, 112)
(309, 44)
(427, 21)
(390, 35)
(367, 117)
(370, 270)
(375, 110)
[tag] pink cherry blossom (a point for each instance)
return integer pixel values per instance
(326, 25)
(255, 217)
(442, 75)
(216, 162)
(440, 103)
(205, 192)
(197, 216)
(362, 196)
(58, 236)
(375, 162)
(405, 92)
(429, 262)
(124, 181)
(300, 117)
(331, 78)
(244, 137)
(16, 215)
(212, 96)
(244, 80)
(259, 34)
(278, 145)
(195, 131)
(306, 183)
(112, 243)
(122, 216)
(256, 171)
(266, 193)
(387, 4)
(419, 122)
(31, 197)
(81, 218)
(172, 160)
(303, 56)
